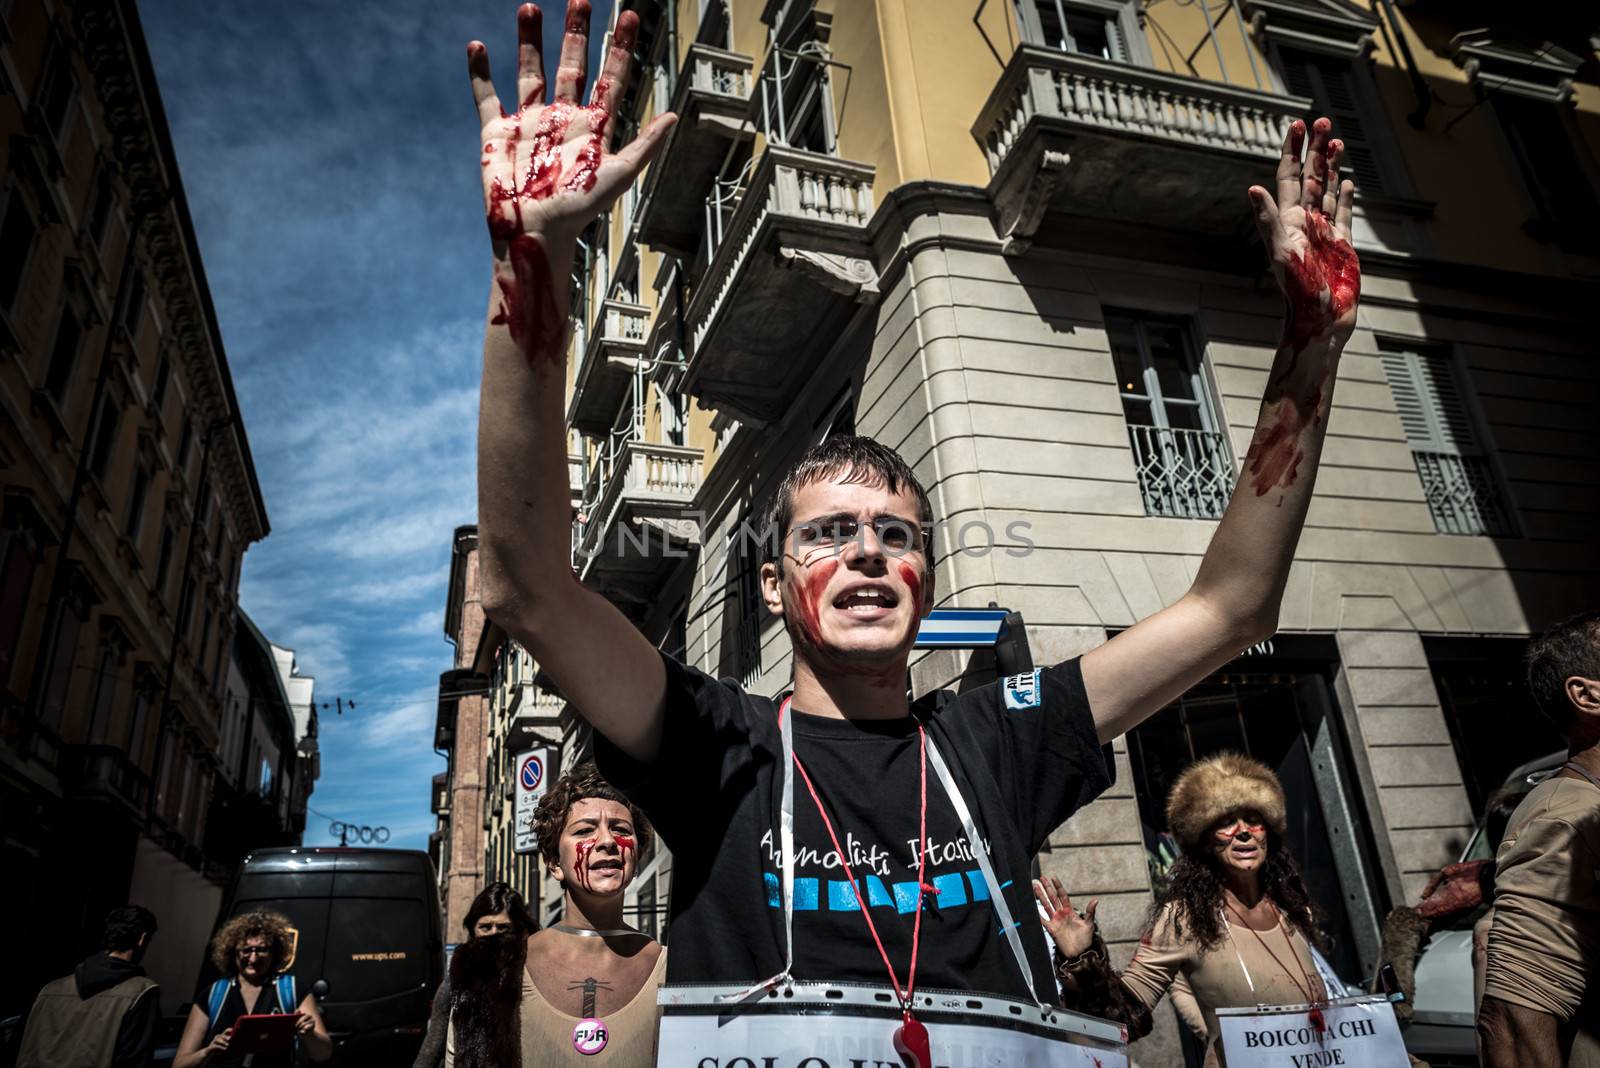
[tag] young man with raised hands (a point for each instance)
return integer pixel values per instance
(909, 820)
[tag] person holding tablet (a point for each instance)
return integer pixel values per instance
(252, 951)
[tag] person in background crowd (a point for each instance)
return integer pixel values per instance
(1454, 891)
(1235, 919)
(253, 951)
(497, 910)
(1541, 994)
(582, 991)
(106, 1011)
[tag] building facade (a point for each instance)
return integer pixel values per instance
(129, 499)
(1015, 245)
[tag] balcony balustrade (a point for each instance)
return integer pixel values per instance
(758, 330)
(1093, 137)
(712, 102)
(609, 361)
(632, 524)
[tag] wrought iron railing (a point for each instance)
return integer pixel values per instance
(1187, 474)
(1462, 493)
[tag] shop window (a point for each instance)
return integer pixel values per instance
(1179, 449)
(1458, 479)
(1483, 687)
(1101, 29)
(1280, 711)
(1335, 85)
(19, 230)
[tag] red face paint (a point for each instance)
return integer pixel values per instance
(913, 580)
(580, 862)
(808, 601)
(527, 302)
(625, 843)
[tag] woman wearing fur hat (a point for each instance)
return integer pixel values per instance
(582, 991)
(1235, 918)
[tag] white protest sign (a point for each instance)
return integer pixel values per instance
(856, 1030)
(532, 767)
(1360, 1031)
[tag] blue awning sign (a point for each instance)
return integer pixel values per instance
(962, 628)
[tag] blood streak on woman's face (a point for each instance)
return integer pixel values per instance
(856, 603)
(597, 845)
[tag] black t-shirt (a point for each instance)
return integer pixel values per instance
(232, 1009)
(1024, 753)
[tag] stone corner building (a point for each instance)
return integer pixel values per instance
(1015, 245)
(129, 499)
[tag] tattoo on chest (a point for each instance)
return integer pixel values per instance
(590, 987)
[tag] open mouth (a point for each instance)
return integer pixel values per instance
(607, 864)
(866, 601)
(1245, 852)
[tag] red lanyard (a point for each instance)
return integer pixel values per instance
(912, 1035)
(1316, 1010)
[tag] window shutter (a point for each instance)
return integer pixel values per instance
(1428, 400)
(1117, 40)
(1330, 83)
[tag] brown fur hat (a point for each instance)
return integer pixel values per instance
(1212, 788)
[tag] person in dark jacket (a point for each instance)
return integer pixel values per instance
(497, 910)
(105, 1013)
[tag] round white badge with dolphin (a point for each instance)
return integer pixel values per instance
(590, 1036)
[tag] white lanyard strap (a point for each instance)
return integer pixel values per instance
(1226, 926)
(981, 852)
(786, 848)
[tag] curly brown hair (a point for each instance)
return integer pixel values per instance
(272, 926)
(581, 782)
(1195, 885)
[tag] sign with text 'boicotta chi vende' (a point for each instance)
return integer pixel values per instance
(1359, 1031)
(828, 1025)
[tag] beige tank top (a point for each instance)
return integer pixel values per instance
(547, 1033)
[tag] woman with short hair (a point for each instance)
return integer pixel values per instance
(1235, 917)
(497, 910)
(582, 991)
(253, 951)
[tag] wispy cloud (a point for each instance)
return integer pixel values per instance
(327, 156)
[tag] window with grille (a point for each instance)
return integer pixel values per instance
(1088, 29)
(1559, 186)
(1457, 478)
(1179, 450)
(1331, 83)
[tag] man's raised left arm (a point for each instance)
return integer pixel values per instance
(1236, 594)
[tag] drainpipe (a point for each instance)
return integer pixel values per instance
(1419, 85)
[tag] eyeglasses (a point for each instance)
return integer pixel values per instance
(896, 535)
(254, 951)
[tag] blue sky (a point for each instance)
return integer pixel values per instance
(329, 154)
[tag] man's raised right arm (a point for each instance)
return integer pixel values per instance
(546, 176)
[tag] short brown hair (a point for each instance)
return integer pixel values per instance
(1571, 647)
(272, 926)
(867, 462)
(583, 781)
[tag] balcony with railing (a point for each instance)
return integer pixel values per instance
(535, 716)
(712, 102)
(1184, 474)
(609, 361)
(105, 772)
(1083, 135)
(632, 526)
(1462, 493)
(787, 255)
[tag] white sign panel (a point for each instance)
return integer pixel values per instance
(1358, 1031)
(776, 1032)
(532, 769)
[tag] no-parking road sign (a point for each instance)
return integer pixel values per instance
(533, 771)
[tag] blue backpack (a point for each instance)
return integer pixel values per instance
(287, 1000)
